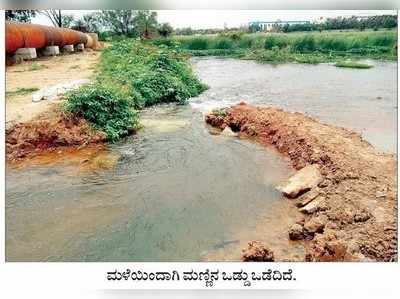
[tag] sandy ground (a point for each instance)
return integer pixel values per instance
(354, 214)
(41, 73)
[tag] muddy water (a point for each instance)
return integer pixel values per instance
(175, 191)
(364, 100)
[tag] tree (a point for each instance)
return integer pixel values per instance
(146, 23)
(67, 21)
(165, 29)
(119, 21)
(57, 18)
(254, 27)
(21, 15)
(184, 31)
(53, 15)
(91, 22)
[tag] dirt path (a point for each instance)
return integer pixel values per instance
(354, 208)
(44, 72)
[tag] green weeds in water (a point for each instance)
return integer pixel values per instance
(353, 64)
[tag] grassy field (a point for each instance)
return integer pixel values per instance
(301, 47)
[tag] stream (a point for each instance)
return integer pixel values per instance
(176, 191)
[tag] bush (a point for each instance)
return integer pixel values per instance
(305, 43)
(198, 43)
(223, 43)
(150, 74)
(105, 108)
(275, 41)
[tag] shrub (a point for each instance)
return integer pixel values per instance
(149, 74)
(275, 41)
(105, 108)
(245, 42)
(197, 43)
(305, 43)
(223, 43)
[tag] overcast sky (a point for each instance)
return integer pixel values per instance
(233, 18)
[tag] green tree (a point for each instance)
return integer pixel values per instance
(20, 15)
(119, 21)
(91, 22)
(67, 21)
(165, 29)
(57, 17)
(146, 23)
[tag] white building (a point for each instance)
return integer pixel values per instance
(269, 25)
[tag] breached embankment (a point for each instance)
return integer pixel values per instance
(49, 131)
(351, 213)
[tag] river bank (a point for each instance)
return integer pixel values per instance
(352, 213)
(175, 192)
(296, 47)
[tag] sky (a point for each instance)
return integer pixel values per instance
(202, 19)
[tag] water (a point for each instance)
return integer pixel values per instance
(363, 100)
(175, 191)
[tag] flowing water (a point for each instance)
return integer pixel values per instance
(178, 192)
(363, 100)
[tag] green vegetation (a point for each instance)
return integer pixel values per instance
(36, 66)
(291, 47)
(132, 75)
(105, 107)
(20, 91)
(353, 64)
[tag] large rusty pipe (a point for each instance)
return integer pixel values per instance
(23, 35)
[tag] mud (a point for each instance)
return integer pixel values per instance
(48, 132)
(352, 214)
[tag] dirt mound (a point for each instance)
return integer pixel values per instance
(48, 132)
(357, 195)
(257, 252)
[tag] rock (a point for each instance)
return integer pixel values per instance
(257, 252)
(361, 216)
(380, 194)
(215, 121)
(228, 132)
(53, 92)
(315, 224)
(327, 247)
(296, 232)
(37, 96)
(308, 197)
(313, 206)
(302, 181)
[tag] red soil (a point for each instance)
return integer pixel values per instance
(357, 200)
(48, 132)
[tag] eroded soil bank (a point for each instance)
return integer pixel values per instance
(47, 132)
(354, 209)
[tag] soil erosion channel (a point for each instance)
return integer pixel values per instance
(177, 192)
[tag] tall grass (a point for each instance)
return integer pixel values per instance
(375, 44)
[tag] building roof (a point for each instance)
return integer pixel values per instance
(279, 22)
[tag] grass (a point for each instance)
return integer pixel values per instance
(36, 66)
(301, 47)
(21, 91)
(353, 64)
(132, 75)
